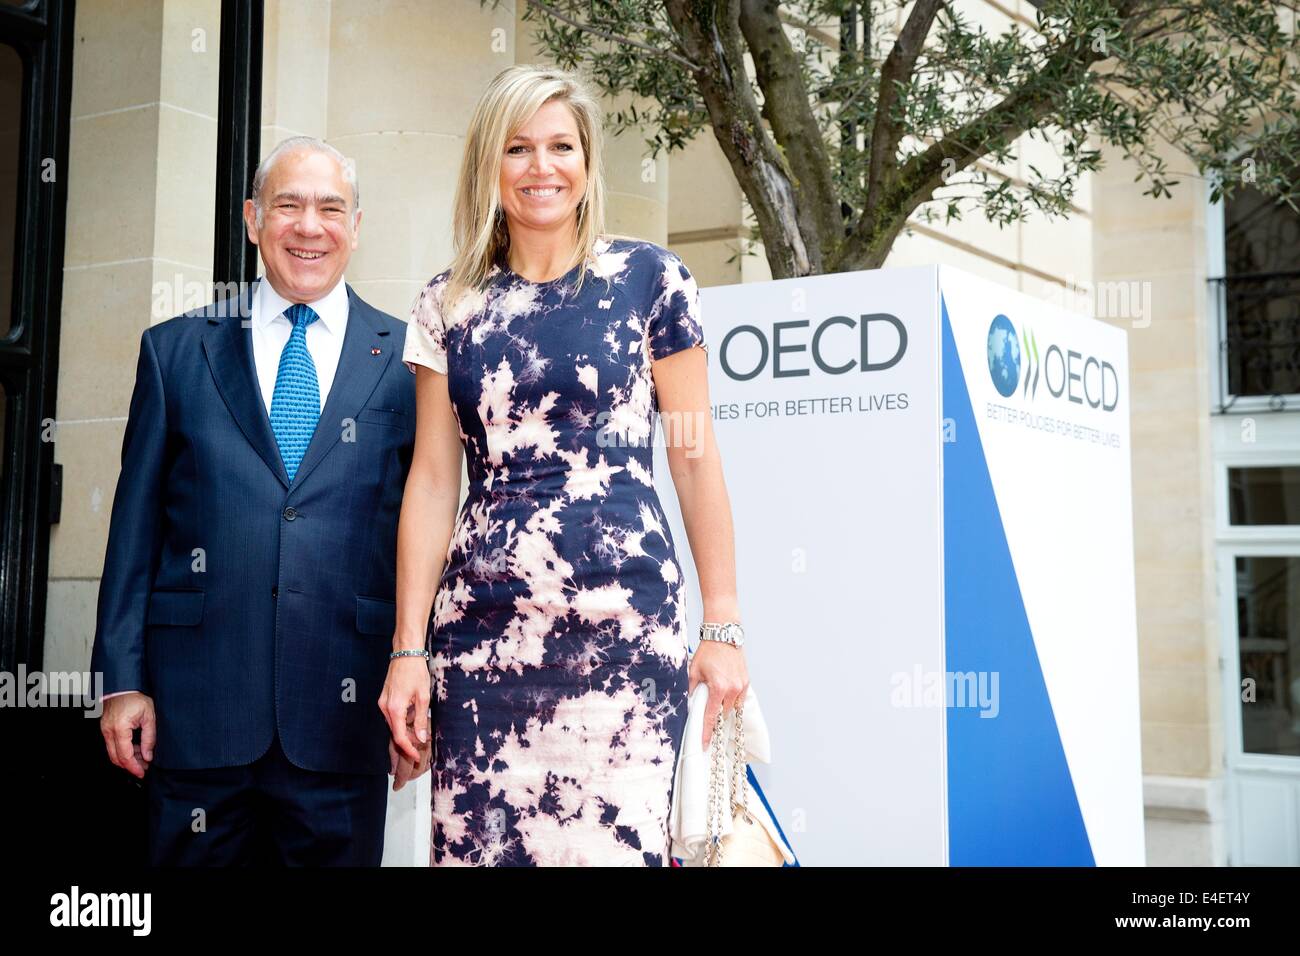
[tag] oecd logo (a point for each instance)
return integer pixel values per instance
(1004, 356)
(1066, 373)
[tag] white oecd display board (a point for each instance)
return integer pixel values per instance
(929, 476)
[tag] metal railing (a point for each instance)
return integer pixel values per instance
(1259, 338)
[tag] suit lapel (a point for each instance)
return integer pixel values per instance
(366, 354)
(229, 348)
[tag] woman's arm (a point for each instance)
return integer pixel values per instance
(429, 504)
(681, 382)
(682, 386)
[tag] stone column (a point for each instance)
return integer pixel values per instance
(1161, 244)
(141, 179)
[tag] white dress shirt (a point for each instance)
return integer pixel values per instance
(271, 330)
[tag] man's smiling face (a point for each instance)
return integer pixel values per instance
(308, 228)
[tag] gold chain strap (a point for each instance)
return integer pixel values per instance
(739, 784)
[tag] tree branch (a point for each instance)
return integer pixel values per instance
(709, 31)
(785, 106)
(605, 34)
(1022, 109)
(896, 71)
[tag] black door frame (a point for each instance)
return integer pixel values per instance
(42, 35)
(239, 136)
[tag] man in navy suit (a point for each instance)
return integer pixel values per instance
(246, 609)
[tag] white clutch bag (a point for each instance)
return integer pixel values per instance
(716, 819)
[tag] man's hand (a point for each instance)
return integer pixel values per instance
(122, 715)
(403, 768)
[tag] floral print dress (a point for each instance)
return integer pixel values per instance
(558, 631)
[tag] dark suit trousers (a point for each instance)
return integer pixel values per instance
(269, 812)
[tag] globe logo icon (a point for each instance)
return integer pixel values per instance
(1004, 356)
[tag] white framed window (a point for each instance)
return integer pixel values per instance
(1259, 592)
(1254, 295)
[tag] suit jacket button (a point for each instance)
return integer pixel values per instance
(275, 592)
(290, 513)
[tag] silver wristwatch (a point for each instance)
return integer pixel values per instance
(731, 633)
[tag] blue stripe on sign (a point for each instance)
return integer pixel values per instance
(753, 782)
(1011, 800)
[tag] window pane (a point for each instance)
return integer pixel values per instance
(11, 118)
(1264, 495)
(1262, 285)
(1268, 622)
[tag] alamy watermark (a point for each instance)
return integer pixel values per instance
(677, 429)
(922, 688)
(1120, 299)
(77, 689)
(179, 295)
(76, 908)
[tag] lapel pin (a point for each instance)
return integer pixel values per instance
(374, 351)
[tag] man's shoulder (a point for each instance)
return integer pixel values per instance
(181, 336)
(194, 322)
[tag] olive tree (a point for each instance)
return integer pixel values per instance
(840, 119)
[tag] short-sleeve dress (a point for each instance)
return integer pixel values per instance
(558, 630)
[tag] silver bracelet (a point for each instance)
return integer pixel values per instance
(396, 654)
(730, 633)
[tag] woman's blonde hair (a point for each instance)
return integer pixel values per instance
(479, 233)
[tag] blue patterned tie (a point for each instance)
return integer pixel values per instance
(295, 404)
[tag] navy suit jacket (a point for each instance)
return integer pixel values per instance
(247, 605)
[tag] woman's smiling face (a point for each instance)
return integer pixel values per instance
(543, 171)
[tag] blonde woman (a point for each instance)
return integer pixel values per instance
(558, 644)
